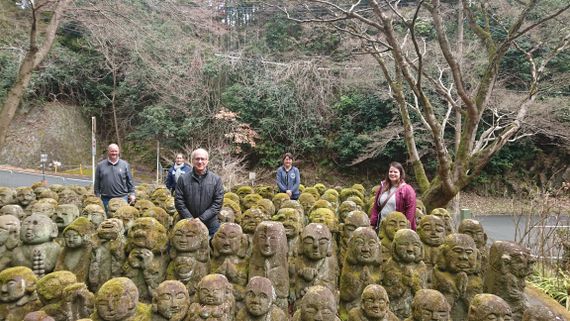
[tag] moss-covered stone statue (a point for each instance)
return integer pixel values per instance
(39, 316)
(160, 215)
(362, 266)
(307, 200)
(266, 206)
(63, 215)
(244, 190)
(170, 301)
(147, 259)
(68, 196)
(446, 217)
(7, 196)
(215, 300)
(269, 259)
(392, 223)
(128, 214)
(259, 297)
(429, 305)
(76, 254)
(226, 215)
(189, 253)
(37, 251)
(25, 196)
(345, 208)
(404, 274)
(318, 304)
(94, 213)
(278, 199)
(456, 274)
(13, 209)
(487, 306)
(108, 255)
(327, 217)
(474, 229)
(509, 265)
(9, 238)
(374, 306)
(114, 205)
(142, 206)
(249, 220)
(352, 221)
(232, 197)
(118, 300)
(540, 313)
(229, 257)
(63, 298)
(316, 263)
(265, 191)
(43, 207)
(431, 230)
(18, 294)
(295, 205)
(249, 201)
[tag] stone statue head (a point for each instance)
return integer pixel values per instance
(160, 195)
(78, 233)
(48, 193)
(345, 193)
(25, 196)
(38, 229)
(474, 229)
(291, 220)
(374, 302)
(147, 233)
(540, 313)
(445, 216)
(364, 247)
(393, 222)
(294, 204)
(313, 191)
(316, 241)
(244, 190)
(16, 283)
(117, 299)
(278, 199)
(321, 203)
(95, 213)
(190, 235)
(68, 196)
(250, 219)
(44, 208)
(307, 200)
(214, 289)
(7, 196)
(331, 199)
(233, 205)
(324, 216)
(357, 200)
(352, 221)
(13, 209)
(91, 199)
(127, 214)
(458, 254)
(431, 230)
(320, 187)
(318, 303)
(170, 207)
(115, 204)
(110, 229)
(51, 286)
(229, 240)
(407, 247)
(232, 196)
(39, 316)
(270, 239)
(430, 305)
(171, 300)
(509, 257)
(347, 207)
(265, 191)
(56, 187)
(487, 306)
(226, 215)
(9, 230)
(266, 206)
(160, 215)
(259, 296)
(249, 200)
(65, 214)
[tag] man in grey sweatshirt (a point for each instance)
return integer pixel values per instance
(113, 178)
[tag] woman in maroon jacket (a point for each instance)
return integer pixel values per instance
(394, 195)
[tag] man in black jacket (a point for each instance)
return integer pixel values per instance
(200, 192)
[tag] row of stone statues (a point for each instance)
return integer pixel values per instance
(297, 246)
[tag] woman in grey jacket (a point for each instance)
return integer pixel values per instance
(288, 177)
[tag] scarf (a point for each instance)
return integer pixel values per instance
(177, 171)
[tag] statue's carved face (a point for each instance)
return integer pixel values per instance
(36, 229)
(489, 307)
(291, 220)
(169, 206)
(432, 230)
(12, 288)
(110, 229)
(375, 302)
(25, 196)
(307, 201)
(324, 216)
(9, 226)
(13, 209)
(250, 200)
(72, 239)
(318, 309)
(258, 296)
(430, 305)
(475, 230)
(64, 215)
(51, 287)
(353, 220)
(187, 237)
(445, 216)
(212, 290)
(250, 219)
(94, 213)
(227, 240)
(43, 208)
(115, 204)
(266, 206)
(316, 245)
(268, 241)
(171, 300)
(407, 246)
(394, 223)
(521, 264)
(67, 196)
(144, 233)
(364, 246)
(461, 254)
(226, 215)
(114, 305)
(6, 196)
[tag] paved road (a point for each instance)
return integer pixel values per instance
(12, 178)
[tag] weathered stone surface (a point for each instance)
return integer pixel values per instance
(76, 254)
(259, 297)
(318, 303)
(18, 294)
(374, 306)
(170, 301)
(108, 255)
(429, 305)
(118, 300)
(488, 307)
(214, 302)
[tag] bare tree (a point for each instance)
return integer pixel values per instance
(38, 50)
(434, 79)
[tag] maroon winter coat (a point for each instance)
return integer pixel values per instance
(405, 203)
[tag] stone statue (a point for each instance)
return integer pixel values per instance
(374, 306)
(232, 197)
(170, 208)
(265, 191)
(38, 251)
(316, 263)
(24, 197)
(259, 296)
(18, 294)
(429, 305)
(214, 302)
(190, 253)
(118, 300)
(362, 266)
(388, 227)
(68, 196)
(115, 204)
(91, 199)
(13, 209)
(160, 215)
(249, 201)
(170, 301)
(540, 313)
(431, 230)
(474, 229)
(63, 216)
(509, 265)
(446, 217)
(43, 207)
(127, 214)
(294, 204)
(318, 304)
(7, 196)
(108, 255)
(142, 206)
(404, 274)
(307, 200)
(9, 238)
(229, 257)
(147, 259)
(244, 190)
(352, 221)
(347, 207)
(226, 215)
(39, 316)
(269, 259)
(266, 206)
(456, 274)
(76, 255)
(488, 307)
(63, 298)
(249, 220)
(94, 213)
(278, 199)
